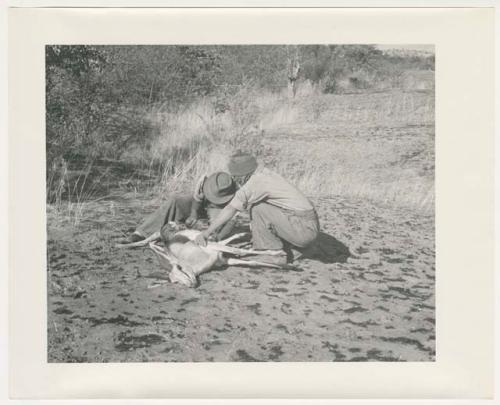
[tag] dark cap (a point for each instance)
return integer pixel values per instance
(242, 164)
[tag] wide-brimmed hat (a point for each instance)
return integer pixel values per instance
(219, 188)
(241, 164)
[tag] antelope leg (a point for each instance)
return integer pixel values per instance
(157, 284)
(242, 252)
(226, 241)
(141, 243)
(251, 263)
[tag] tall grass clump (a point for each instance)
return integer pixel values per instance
(73, 191)
(199, 138)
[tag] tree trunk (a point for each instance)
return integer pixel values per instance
(293, 73)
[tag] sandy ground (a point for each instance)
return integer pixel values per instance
(373, 301)
(376, 305)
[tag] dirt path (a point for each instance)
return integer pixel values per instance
(377, 305)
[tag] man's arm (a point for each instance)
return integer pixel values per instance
(193, 216)
(224, 216)
(198, 198)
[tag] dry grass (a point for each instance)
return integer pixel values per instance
(378, 146)
(73, 193)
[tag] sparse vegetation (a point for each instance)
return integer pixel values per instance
(129, 126)
(170, 113)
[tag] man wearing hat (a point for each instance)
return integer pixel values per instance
(281, 216)
(211, 194)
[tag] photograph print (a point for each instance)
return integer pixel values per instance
(240, 203)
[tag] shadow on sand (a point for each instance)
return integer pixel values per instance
(327, 249)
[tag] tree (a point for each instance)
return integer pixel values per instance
(73, 89)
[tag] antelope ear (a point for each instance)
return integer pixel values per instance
(164, 233)
(167, 231)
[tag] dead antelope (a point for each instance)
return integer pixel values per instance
(187, 260)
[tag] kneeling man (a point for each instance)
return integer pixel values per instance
(211, 194)
(280, 214)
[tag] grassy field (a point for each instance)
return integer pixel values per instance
(365, 160)
(378, 146)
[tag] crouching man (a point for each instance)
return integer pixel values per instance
(211, 194)
(281, 216)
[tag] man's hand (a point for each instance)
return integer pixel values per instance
(191, 221)
(201, 239)
(193, 215)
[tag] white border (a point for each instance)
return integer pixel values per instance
(3, 142)
(254, 3)
(3, 205)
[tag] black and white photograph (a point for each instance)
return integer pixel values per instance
(240, 203)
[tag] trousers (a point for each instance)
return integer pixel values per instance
(273, 227)
(178, 209)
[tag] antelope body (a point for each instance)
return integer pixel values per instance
(185, 259)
